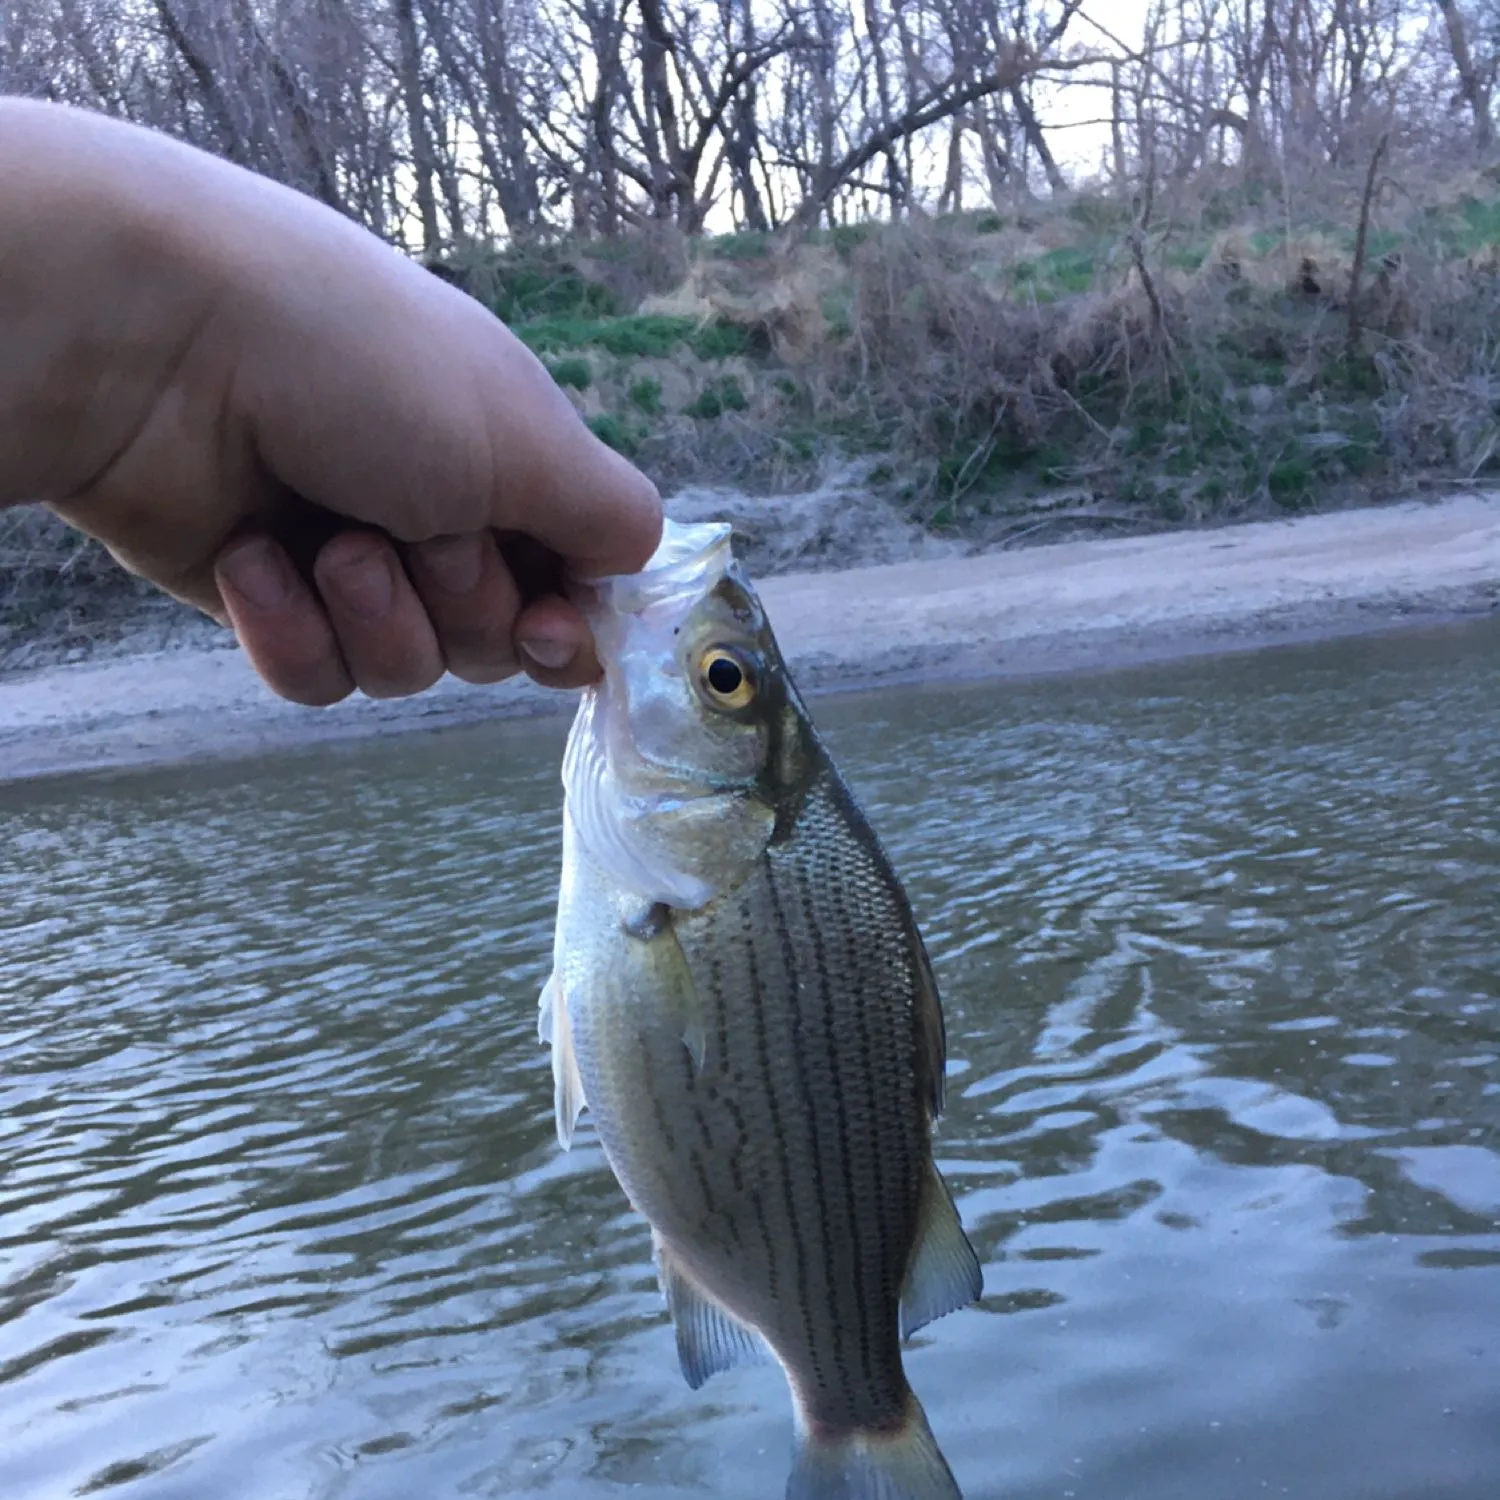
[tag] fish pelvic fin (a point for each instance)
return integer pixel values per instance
(553, 1027)
(865, 1465)
(944, 1272)
(709, 1339)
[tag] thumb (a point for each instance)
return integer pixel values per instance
(562, 486)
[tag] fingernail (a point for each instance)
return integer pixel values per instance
(362, 580)
(453, 562)
(258, 573)
(548, 653)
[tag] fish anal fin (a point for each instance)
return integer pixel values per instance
(709, 1339)
(554, 1028)
(943, 1274)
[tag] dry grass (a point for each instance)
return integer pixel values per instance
(63, 597)
(1172, 374)
(1071, 359)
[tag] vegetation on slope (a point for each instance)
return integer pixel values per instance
(1004, 376)
(1224, 361)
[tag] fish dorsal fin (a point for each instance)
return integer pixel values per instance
(709, 1339)
(554, 1028)
(943, 1274)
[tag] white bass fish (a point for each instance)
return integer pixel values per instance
(740, 994)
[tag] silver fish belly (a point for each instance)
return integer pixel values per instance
(763, 1069)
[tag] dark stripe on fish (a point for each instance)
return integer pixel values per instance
(807, 898)
(778, 1133)
(844, 922)
(832, 1282)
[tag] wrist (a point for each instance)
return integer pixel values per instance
(100, 292)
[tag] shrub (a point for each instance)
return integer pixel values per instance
(717, 397)
(575, 372)
(645, 395)
(611, 430)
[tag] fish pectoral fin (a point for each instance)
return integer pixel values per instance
(709, 1339)
(546, 1009)
(567, 1083)
(944, 1272)
(672, 983)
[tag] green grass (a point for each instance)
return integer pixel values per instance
(1185, 257)
(1481, 224)
(845, 238)
(837, 308)
(1471, 229)
(1215, 427)
(517, 294)
(639, 336)
(1063, 272)
(642, 336)
(1100, 215)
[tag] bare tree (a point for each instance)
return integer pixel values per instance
(443, 122)
(1475, 84)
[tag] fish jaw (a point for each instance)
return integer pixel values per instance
(660, 789)
(688, 561)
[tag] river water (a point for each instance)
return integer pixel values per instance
(282, 1214)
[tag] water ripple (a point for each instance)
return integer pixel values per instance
(282, 1213)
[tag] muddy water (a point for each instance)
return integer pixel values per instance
(282, 1216)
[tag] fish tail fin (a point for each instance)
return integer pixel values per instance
(866, 1465)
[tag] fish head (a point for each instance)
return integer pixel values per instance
(682, 760)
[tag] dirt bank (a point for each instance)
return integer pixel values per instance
(1075, 605)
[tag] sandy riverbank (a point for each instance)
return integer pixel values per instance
(1076, 605)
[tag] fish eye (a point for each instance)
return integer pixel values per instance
(727, 677)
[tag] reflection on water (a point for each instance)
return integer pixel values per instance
(282, 1215)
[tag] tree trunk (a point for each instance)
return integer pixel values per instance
(668, 186)
(211, 95)
(952, 199)
(876, 29)
(1475, 91)
(413, 97)
(742, 140)
(1035, 138)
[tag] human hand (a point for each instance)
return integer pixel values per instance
(274, 416)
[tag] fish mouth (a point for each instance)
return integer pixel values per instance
(687, 563)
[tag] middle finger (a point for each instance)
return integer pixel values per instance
(383, 631)
(472, 600)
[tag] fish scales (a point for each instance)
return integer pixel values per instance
(762, 1065)
(786, 1133)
